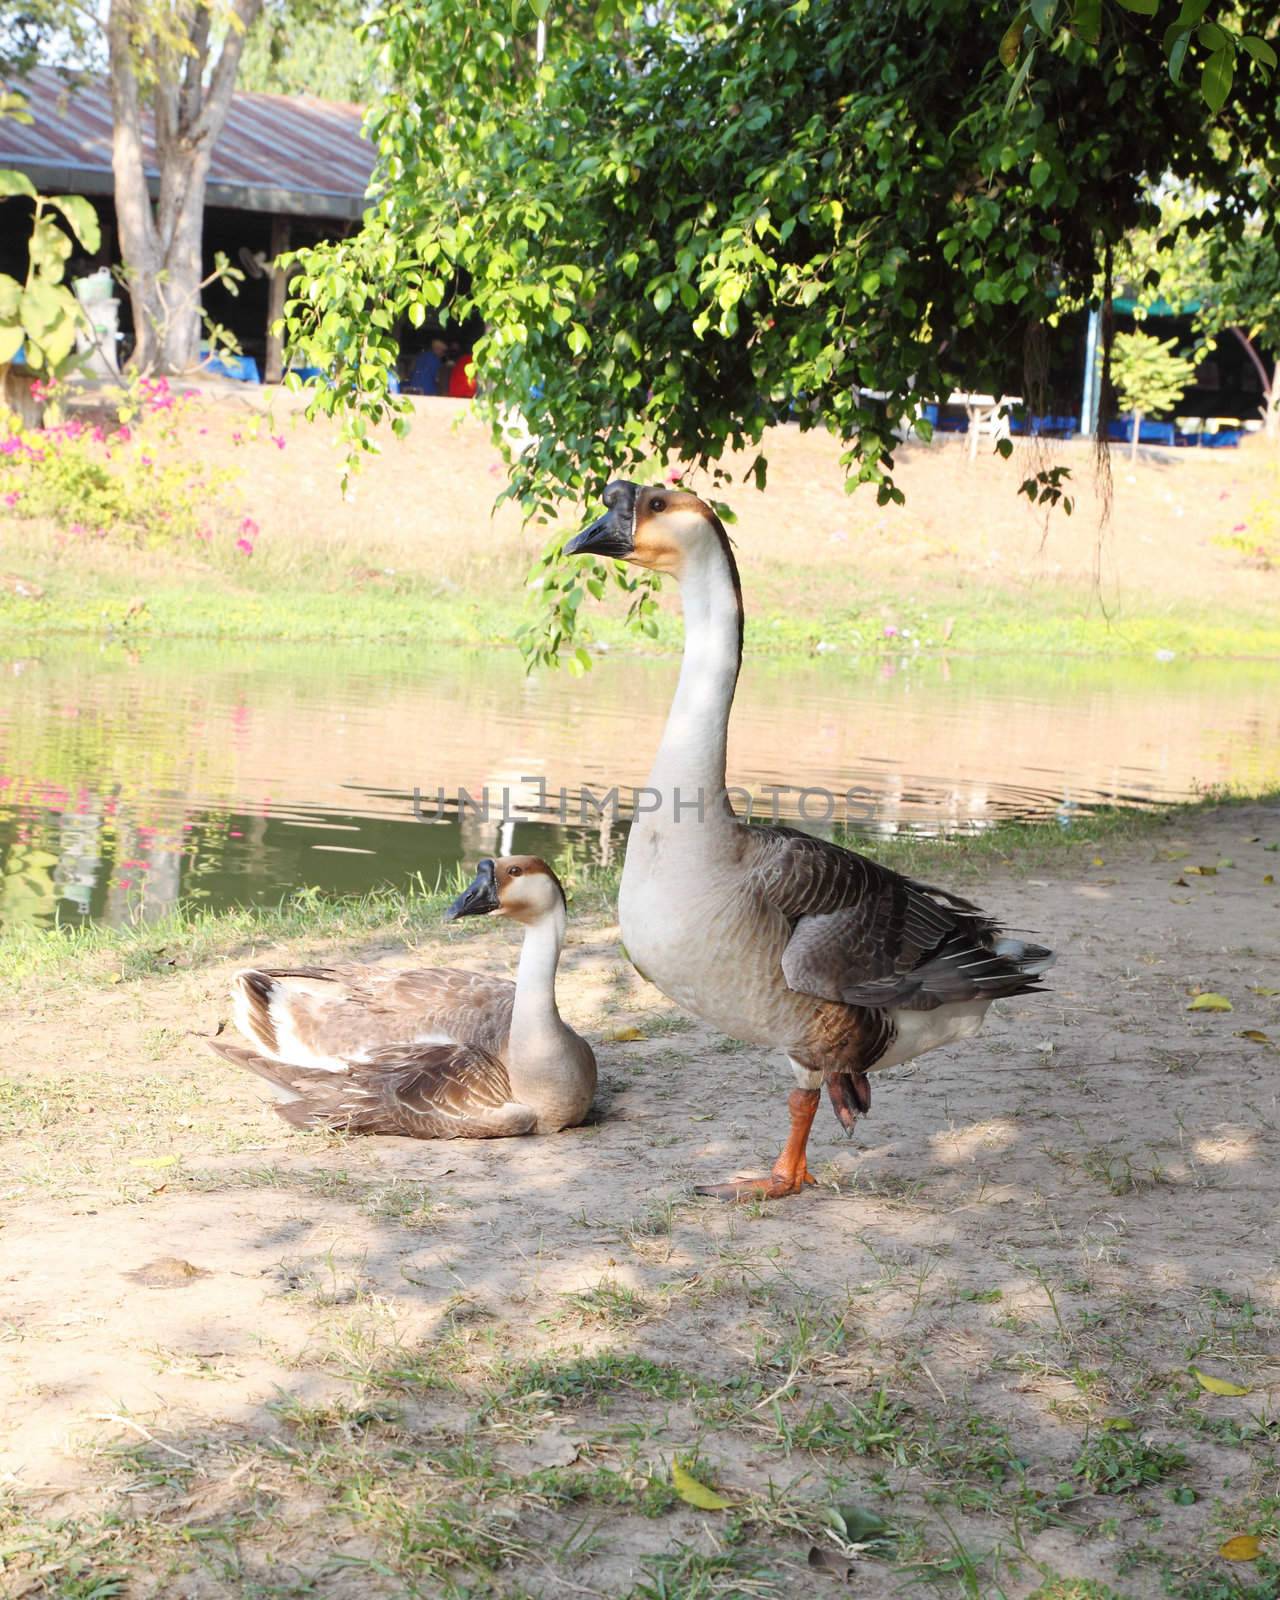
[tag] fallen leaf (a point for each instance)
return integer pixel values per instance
(1117, 1425)
(1269, 877)
(1225, 862)
(856, 1524)
(1202, 872)
(154, 1163)
(625, 1035)
(167, 1272)
(1241, 1547)
(1210, 1002)
(1098, 861)
(1181, 883)
(1216, 1385)
(694, 1493)
(1257, 988)
(1255, 1034)
(828, 1561)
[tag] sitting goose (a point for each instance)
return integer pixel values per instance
(770, 935)
(433, 1053)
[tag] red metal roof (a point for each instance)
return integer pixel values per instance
(298, 156)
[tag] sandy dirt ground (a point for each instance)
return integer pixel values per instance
(237, 1360)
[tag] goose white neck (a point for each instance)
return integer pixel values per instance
(534, 1016)
(692, 754)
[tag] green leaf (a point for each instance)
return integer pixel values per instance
(1259, 49)
(1211, 36)
(1142, 8)
(10, 341)
(1016, 87)
(694, 1493)
(1178, 55)
(1215, 81)
(12, 183)
(856, 1524)
(1087, 20)
(1042, 14)
(1011, 44)
(81, 218)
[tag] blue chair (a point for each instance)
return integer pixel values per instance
(241, 369)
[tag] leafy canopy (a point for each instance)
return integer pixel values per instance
(695, 220)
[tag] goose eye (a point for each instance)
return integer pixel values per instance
(514, 872)
(657, 504)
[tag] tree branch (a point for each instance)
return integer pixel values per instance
(1253, 355)
(223, 81)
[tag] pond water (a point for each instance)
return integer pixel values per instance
(232, 774)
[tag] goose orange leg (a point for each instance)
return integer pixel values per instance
(790, 1174)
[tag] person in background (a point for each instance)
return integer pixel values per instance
(427, 375)
(462, 379)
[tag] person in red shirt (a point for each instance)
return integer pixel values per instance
(462, 377)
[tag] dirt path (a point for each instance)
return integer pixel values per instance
(413, 1369)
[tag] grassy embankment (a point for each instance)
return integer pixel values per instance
(419, 555)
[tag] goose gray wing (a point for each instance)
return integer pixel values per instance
(864, 935)
(328, 1016)
(420, 1092)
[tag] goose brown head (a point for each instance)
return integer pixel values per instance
(655, 527)
(522, 887)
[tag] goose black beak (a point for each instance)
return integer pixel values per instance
(479, 897)
(613, 534)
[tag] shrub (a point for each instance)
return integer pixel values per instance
(128, 478)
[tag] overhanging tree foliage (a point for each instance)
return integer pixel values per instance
(685, 226)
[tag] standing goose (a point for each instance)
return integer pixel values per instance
(433, 1053)
(770, 935)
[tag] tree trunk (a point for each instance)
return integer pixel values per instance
(1137, 429)
(162, 242)
(1270, 386)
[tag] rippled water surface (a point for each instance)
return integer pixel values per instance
(233, 774)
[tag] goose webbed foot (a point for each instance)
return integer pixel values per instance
(850, 1094)
(790, 1173)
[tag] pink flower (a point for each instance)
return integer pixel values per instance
(673, 475)
(234, 833)
(12, 498)
(1240, 527)
(246, 545)
(278, 440)
(891, 632)
(99, 436)
(123, 435)
(147, 461)
(248, 526)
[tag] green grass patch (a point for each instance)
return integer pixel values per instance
(331, 607)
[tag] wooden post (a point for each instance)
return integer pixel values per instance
(275, 299)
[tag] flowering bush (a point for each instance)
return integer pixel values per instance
(132, 477)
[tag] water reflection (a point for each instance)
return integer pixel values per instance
(236, 775)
